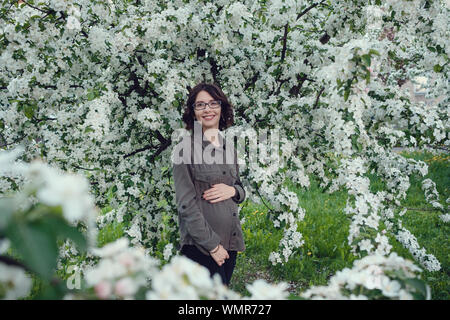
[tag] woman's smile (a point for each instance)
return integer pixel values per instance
(209, 117)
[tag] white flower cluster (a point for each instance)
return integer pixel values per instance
(431, 194)
(184, 279)
(291, 240)
(365, 214)
(372, 275)
(409, 241)
(261, 290)
(285, 203)
(4, 245)
(73, 20)
(397, 169)
(343, 67)
(149, 119)
(370, 209)
(121, 272)
(97, 118)
(238, 14)
(445, 217)
(124, 271)
(14, 282)
(52, 187)
(168, 251)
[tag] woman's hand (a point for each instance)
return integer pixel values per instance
(220, 255)
(219, 192)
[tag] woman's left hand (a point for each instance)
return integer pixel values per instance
(219, 192)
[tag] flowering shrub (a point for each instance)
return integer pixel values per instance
(97, 88)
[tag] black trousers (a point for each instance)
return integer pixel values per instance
(225, 270)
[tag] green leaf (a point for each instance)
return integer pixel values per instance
(417, 284)
(62, 230)
(366, 59)
(367, 77)
(91, 95)
(437, 68)
(35, 245)
(29, 111)
(373, 51)
(346, 94)
(6, 212)
(56, 290)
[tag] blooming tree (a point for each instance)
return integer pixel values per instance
(97, 88)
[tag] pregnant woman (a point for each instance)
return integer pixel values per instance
(207, 184)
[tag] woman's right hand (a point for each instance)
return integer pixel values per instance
(220, 255)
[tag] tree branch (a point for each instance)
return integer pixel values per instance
(301, 14)
(81, 168)
(421, 209)
(11, 262)
(149, 146)
(54, 87)
(262, 199)
(31, 6)
(251, 81)
(15, 141)
(318, 96)
(214, 70)
(295, 90)
(325, 38)
(283, 51)
(165, 143)
(7, 11)
(35, 120)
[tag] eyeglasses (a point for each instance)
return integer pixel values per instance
(202, 105)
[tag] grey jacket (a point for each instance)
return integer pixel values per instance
(202, 223)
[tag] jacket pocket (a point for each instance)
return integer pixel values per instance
(205, 176)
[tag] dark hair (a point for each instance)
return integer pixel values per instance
(226, 113)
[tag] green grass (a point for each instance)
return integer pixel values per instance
(110, 233)
(325, 230)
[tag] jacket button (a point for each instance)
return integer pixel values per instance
(234, 214)
(224, 172)
(183, 206)
(234, 233)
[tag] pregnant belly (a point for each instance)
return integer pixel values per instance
(217, 215)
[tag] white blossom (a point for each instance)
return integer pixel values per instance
(261, 290)
(14, 282)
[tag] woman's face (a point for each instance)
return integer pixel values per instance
(209, 118)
